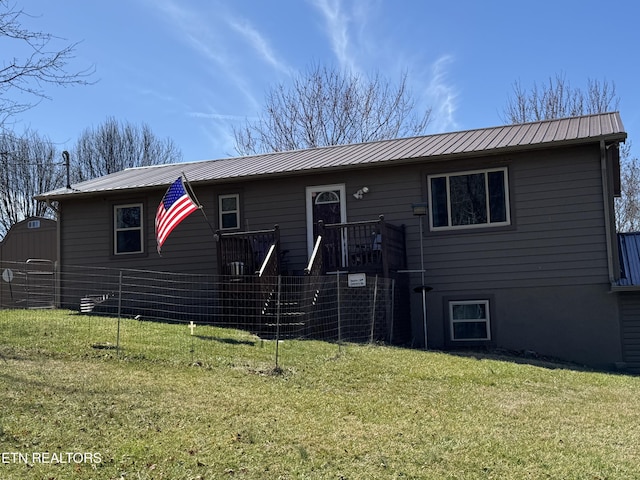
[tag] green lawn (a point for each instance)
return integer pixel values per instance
(171, 406)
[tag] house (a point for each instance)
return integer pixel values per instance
(518, 240)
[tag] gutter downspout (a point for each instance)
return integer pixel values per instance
(58, 220)
(58, 262)
(607, 210)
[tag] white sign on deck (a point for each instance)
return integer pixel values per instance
(357, 279)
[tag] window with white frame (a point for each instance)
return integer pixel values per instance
(229, 211)
(128, 229)
(471, 199)
(469, 320)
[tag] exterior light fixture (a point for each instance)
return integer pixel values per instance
(360, 193)
(419, 209)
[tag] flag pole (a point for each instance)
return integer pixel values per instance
(197, 202)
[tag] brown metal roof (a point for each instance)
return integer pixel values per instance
(484, 141)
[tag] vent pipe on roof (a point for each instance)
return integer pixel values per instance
(65, 155)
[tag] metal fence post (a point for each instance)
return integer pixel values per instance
(339, 311)
(373, 309)
(278, 307)
(119, 313)
(393, 313)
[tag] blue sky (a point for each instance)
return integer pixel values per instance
(191, 69)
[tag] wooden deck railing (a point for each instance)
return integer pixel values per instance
(372, 246)
(394, 247)
(243, 253)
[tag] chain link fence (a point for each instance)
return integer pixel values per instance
(146, 314)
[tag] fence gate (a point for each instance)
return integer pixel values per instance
(40, 284)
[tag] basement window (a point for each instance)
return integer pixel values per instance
(127, 231)
(469, 320)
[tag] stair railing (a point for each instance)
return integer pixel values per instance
(269, 266)
(266, 276)
(314, 267)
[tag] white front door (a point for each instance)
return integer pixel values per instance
(326, 203)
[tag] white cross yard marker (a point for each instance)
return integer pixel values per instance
(192, 326)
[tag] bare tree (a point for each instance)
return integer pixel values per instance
(40, 64)
(325, 106)
(557, 98)
(627, 207)
(114, 146)
(29, 165)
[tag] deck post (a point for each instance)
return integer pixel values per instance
(384, 245)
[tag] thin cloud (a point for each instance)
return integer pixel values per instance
(337, 23)
(158, 96)
(443, 95)
(203, 34)
(220, 139)
(194, 30)
(216, 116)
(219, 135)
(348, 25)
(259, 44)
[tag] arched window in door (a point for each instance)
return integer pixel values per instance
(326, 207)
(327, 197)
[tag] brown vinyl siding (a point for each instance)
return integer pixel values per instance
(279, 202)
(87, 238)
(547, 272)
(556, 237)
(85, 231)
(283, 202)
(557, 234)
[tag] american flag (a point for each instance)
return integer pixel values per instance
(176, 205)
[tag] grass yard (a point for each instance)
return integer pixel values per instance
(172, 406)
